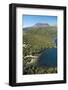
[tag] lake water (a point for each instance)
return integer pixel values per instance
(48, 58)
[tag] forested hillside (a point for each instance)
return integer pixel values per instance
(35, 40)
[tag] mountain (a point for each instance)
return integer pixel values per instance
(38, 25)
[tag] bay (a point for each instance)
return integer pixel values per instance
(48, 58)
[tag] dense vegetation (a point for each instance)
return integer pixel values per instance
(35, 41)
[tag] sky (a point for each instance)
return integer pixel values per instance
(30, 20)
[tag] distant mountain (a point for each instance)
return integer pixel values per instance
(41, 25)
(37, 26)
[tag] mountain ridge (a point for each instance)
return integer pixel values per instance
(41, 25)
(38, 25)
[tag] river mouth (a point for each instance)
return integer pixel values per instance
(48, 58)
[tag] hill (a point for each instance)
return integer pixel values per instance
(40, 38)
(37, 40)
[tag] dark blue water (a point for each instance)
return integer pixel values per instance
(48, 58)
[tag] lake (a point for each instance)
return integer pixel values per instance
(48, 58)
